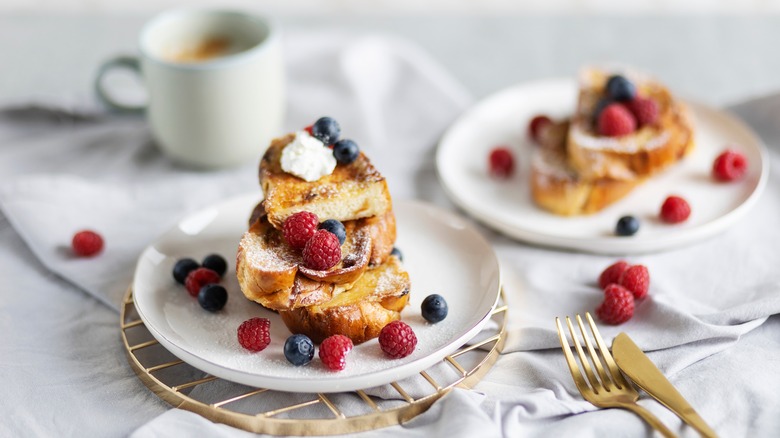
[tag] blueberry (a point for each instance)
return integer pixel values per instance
(335, 227)
(182, 268)
(298, 349)
(326, 130)
(627, 226)
(620, 88)
(345, 151)
(212, 297)
(397, 252)
(216, 263)
(434, 308)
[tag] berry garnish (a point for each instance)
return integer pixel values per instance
(501, 163)
(397, 339)
(182, 268)
(616, 120)
(334, 350)
(618, 305)
(535, 126)
(326, 130)
(627, 226)
(644, 110)
(730, 165)
(216, 263)
(212, 297)
(198, 278)
(345, 151)
(335, 227)
(299, 350)
(254, 334)
(322, 251)
(87, 243)
(613, 273)
(637, 280)
(308, 129)
(674, 210)
(434, 308)
(600, 105)
(299, 227)
(620, 89)
(397, 252)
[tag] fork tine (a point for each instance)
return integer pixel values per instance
(594, 381)
(605, 380)
(582, 385)
(617, 376)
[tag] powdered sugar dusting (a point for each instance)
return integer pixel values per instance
(266, 257)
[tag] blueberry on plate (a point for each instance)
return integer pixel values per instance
(212, 297)
(182, 268)
(620, 89)
(335, 227)
(345, 151)
(434, 308)
(326, 130)
(397, 252)
(216, 263)
(298, 349)
(627, 226)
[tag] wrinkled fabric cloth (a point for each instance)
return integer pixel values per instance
(710, 322)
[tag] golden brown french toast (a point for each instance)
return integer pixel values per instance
(556, 186)
(644, 152)
(272, 273)
(359, 313)
(353, 191)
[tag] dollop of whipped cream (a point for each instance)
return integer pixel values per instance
(307, 158)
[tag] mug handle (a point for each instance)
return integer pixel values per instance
(127, 62)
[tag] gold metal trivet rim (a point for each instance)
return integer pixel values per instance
(338, 423)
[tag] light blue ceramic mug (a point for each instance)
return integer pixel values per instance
(215, 81)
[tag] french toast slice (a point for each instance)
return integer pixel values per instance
(271, 273)
(359, 313)
(353, 191)
(642, 153)
(558, 187)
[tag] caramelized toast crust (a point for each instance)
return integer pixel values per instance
(640, 154)
(353, 191)
(271, 272)
(359, 313)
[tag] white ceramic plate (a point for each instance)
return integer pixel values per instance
(506, 206)
(442, 253)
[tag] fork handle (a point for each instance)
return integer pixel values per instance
(651, 419)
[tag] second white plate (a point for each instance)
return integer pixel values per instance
(443, 254)
(506, 206)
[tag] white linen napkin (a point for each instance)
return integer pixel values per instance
(394, 101)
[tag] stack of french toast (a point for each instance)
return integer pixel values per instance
(365, 290)
(583, 165)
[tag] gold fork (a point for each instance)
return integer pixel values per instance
(605, 390)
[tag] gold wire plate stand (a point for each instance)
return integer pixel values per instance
(257, 409)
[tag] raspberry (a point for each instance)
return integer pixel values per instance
(637, 280)
(730, 165)
(322, 251)
(87, 243)
(254, 334)
(612, 273)
(644, 110)
(333, 352)
(534, 128)
(616, 120)
(501, 163)
(674, 210)
(618, 305)
(298, 228)
(308, 129)
(198, 278)
(397, 339)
